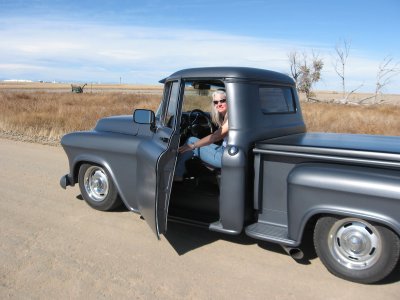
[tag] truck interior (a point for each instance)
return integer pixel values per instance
(196, 198)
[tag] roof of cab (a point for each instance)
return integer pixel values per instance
(231, 72)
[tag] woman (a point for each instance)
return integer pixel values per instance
(205, 148)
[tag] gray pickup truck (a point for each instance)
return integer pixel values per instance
(277, 182)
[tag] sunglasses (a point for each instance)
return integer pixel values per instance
(220, 101)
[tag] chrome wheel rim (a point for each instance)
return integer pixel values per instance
(96, 183)
(355, 244)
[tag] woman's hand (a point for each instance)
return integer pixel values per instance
(186, 147)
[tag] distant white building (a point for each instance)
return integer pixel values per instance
(17, 80)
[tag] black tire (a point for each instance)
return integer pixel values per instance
(356, 250)
(97, 187)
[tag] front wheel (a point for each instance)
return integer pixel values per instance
(355, 249)
(97, 188)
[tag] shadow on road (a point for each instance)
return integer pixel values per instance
(393, 277)
(184, 238)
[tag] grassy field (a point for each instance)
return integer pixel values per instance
(44, 112)
(66, 87)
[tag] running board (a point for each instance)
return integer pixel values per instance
(270, 233)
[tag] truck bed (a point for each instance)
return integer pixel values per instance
(356, 148)
(275, 159)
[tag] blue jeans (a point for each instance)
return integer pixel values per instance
(211, 154)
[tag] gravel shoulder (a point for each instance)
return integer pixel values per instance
(53, 245)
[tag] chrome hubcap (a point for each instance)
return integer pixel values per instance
(355, 244)
(96, 183)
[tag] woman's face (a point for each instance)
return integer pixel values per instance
(221, 107)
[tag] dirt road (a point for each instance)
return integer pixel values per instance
(54, 246)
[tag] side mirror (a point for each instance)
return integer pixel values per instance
(144, 116)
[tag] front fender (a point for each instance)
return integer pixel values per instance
(114, 151)
(368, 193)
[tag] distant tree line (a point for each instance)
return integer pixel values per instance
(306, 72)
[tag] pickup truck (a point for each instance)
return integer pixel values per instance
(277, 183)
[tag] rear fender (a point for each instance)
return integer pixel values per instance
(366, 193)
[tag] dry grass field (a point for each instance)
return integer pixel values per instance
(89, 88)
(43, 112)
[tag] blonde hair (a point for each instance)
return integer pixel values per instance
(216, 117)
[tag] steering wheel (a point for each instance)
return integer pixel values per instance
(194, 126)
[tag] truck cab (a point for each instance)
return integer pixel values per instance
(261, 105)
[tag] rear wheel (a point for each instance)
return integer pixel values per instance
(355, 249)
(97, 187)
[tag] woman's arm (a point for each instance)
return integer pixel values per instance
(207, 140)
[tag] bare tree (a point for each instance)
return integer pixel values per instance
(294, 61)
(386, 71)
(309, 74)
(342, 50)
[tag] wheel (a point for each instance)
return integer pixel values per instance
(97, 188)
(355, 249)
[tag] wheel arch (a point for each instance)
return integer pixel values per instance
(89, 159)
(381, 220)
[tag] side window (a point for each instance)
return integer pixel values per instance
(164, 101)
(276, 99)
(170, 116)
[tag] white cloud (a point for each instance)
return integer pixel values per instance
(20, 67)
(66, 51)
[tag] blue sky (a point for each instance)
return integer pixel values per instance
(144, 41)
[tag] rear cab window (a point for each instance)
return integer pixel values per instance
(276, 99)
